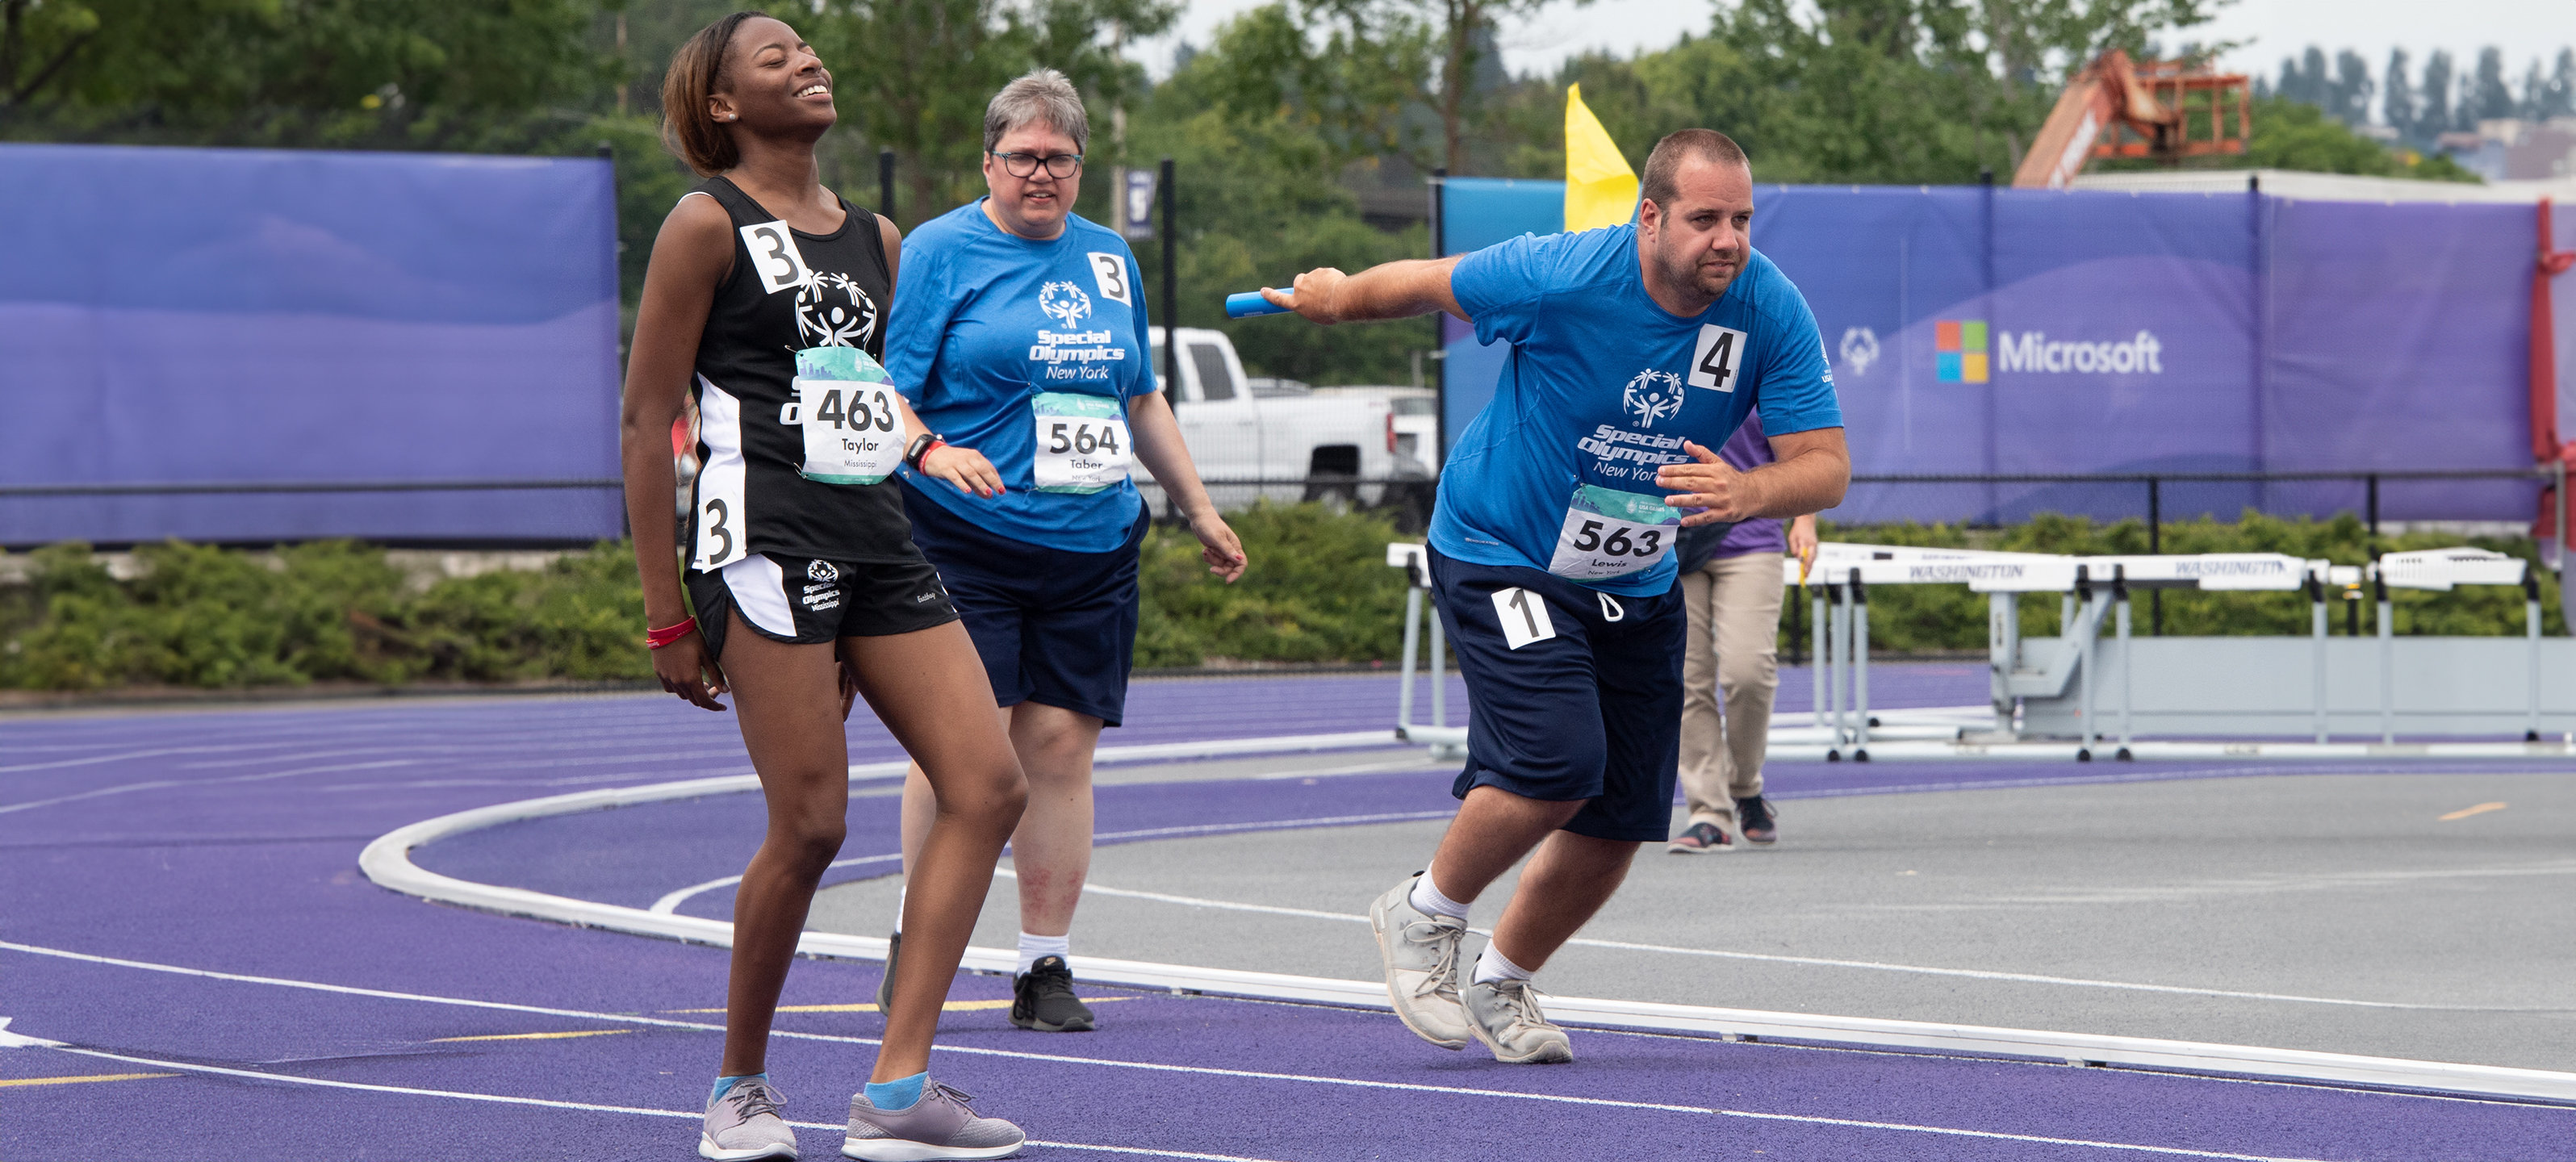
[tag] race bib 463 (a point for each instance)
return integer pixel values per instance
(851, 417)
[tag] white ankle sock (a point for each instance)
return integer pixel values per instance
(1032, 947)
(1428, 900)
(1493, 966)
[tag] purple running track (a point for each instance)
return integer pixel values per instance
(226, 842)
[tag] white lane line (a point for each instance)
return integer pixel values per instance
(155, 753)
(160, 784)
(346, 990)
(1823, 962)
(670, 902)
(10, 1039)
(387, 861)
(550, 1103)
(1277, 824)
(1254, 1075)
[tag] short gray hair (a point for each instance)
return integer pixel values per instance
(1042, 95)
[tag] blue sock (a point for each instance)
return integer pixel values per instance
(900, 1094)
(726, 1083)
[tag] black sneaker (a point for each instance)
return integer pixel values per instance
(1755, 817)
(885, 986)
(1042, 999)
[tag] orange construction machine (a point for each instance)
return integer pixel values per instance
(2167, 110)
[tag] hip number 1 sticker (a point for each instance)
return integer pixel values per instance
(1524, 617)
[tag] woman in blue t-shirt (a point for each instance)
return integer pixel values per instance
(1019, 330)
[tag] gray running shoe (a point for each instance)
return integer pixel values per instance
(885, 984)
(939, 1126)
(744, 1124)
(1421, 954)
(1504, 1015)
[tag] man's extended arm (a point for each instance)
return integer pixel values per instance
(1393, 290)
(1813, 470)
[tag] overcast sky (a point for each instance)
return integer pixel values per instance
(2272, 29)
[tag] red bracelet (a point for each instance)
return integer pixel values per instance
(658, 638)
(934, 445)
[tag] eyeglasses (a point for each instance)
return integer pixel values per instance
(1022, 165)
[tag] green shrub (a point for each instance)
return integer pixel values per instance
(1318, 590)
(323, 611)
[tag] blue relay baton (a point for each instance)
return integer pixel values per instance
(1250, 303)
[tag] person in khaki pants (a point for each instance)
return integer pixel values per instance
(1731, 590)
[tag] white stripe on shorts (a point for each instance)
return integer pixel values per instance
(759, 589)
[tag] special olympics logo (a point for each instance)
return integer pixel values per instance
(1859, 349)
(1653, 395)
(831, 311)
(822, 571)
(1064, 302)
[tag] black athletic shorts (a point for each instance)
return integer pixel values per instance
(1588, 703)
(1056, 628)
(805, 601)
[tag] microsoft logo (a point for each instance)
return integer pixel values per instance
(1959, 350)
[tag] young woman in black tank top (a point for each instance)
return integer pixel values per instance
(765, 302)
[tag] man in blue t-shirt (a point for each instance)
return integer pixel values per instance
(1635, 351)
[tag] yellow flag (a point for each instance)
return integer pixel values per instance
(1600, 189)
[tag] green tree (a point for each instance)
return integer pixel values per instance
(915, 75)
(1259, 198)
(2299, 136)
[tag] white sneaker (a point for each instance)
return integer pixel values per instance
(744, 1124)
(1504, 1015)
(1421, 954)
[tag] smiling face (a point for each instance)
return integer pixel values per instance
(773, 84)
(1032, 206)
(1693, 248)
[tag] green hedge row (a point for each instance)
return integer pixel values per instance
(325, 611)
(1319, 591)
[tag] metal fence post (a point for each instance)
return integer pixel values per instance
(2128, 662)
(1820, 644)
(2531, 635)
(2317, 629)
(885, 183)
(2155, 546)
(1860, 669)
(2372, 494)
(2387, 660)
(1171, 295)
(2084, 663)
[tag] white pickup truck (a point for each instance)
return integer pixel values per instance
(1300, 446)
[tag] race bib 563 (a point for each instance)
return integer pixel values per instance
(1608, 533)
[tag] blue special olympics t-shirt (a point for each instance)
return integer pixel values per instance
(1601, 388)
(1026, 352)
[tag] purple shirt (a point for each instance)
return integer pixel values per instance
(1749, 449)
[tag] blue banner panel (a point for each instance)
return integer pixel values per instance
(2401, 339)
(213, 317)
(1476, 213)
(2024, 332)
(1880, 265)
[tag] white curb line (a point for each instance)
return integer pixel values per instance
(387, 861)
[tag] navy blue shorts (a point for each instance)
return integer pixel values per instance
(1056, 628)
(1589, 704)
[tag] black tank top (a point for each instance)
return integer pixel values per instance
(789, 290)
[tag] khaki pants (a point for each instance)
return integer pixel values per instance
(1733, 657)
